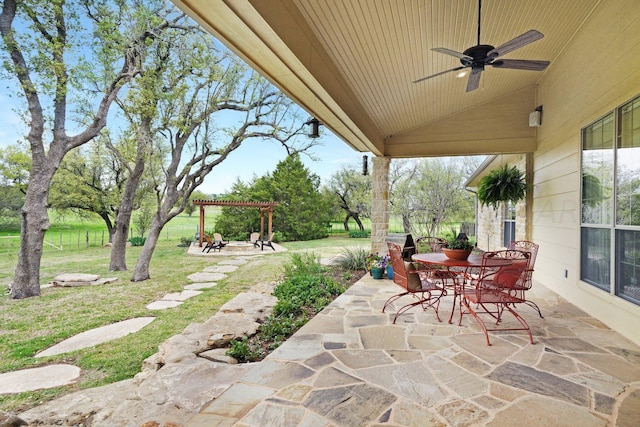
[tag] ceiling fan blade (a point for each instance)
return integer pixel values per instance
(474, 79)
(520, 41)
(451, 52)
(521, 64)
(439, 74)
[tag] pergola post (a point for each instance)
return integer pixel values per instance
(262, 223)
(201, 230)
(269, 222)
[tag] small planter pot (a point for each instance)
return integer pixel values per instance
(389, 272)
(377, 273)
(456, 253)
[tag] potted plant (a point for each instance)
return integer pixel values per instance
(377, 265)
(458, 248)
(504, 184)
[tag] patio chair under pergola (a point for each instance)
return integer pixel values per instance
(265, 207)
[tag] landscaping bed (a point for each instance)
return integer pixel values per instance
(307, 287)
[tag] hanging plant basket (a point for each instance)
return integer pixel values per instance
(504, 184)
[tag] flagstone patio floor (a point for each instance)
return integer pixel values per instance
(350, 366)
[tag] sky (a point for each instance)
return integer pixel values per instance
(253, 158)
(258, 157)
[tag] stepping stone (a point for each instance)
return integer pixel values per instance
(38, 378)
(162, 304)
(97, 336)
(197, 286)
(221, 269)
(236, 261)
(100, 281)
(75, 277)
(181, 296)
(206, 277)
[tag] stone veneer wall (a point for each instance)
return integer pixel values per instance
(491, 221)
(380, 204)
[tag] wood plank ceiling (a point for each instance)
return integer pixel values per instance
(352, 63)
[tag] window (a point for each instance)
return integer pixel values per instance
(610, 211)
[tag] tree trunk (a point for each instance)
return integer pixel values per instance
(123, 220)
(356, 218)
(406, 223)
(35, 221)
(346, 222)
(107, 221)
(118, 260)
(141, 271)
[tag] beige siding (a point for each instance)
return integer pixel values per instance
(600, 71)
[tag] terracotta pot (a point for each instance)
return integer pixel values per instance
(456, 253)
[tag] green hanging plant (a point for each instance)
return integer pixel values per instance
(501, 185)
(592, 192)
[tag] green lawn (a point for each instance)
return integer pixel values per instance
(34, 324)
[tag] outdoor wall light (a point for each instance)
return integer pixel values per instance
(365, 165)
(314, 130)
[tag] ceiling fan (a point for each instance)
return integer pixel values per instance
(481, 55)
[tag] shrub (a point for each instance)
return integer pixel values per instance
(137, 241)
(304, 291)
(357, 234)
(243, 350)
(352, 259)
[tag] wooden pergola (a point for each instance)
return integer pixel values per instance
(265, 207)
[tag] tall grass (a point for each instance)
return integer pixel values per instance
(352, 258)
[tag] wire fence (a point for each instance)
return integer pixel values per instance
(87, 238)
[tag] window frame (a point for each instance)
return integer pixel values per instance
(618, 232)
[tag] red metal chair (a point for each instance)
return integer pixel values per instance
(424, 285)
(492, 292)
(532, 249)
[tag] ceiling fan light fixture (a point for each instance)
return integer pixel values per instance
(482, 55)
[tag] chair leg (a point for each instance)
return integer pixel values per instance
(433, 302)
(522, 322)
(463, 301)
(268, 244)
(424, 302)
(500, 308)
(535, 307)
(392, 299)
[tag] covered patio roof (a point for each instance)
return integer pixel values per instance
(264, 207)
(352, 65)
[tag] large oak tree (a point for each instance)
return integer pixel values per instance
(200, 104)
(70, 59)
(351, 191)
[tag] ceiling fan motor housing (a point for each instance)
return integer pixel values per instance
(477, 56)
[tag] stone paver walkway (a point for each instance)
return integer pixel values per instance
(38, 378)
(97, 336)
(350, 366)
